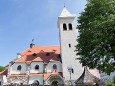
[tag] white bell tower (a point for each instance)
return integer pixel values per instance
(72, 69)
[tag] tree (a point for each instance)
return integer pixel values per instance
(1, 68)
(96, 40)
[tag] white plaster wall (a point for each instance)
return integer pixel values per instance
(13, 68)
(4, 80)
(67, 53)
(33, 78)
(50, 66)
(32, 67)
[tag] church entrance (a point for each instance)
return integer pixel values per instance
(54, 83)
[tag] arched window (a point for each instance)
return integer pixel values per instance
(70, 26)
(37, 67)
(19, 67)
(36, 83)
(54, 66)
(64, 27)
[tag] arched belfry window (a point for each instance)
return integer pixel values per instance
(64, 27)
(54, 66)
(37, 67)
(19, 67)
(70, 26)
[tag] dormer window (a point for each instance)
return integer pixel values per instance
(34, 54)
(37, 67)
(64, 27)
(19, 68)
(55, 67)
(47, 54)
(70, 26)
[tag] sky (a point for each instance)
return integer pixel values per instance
(24, 20)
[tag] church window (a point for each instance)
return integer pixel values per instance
(19, 67)
(70, 26)
(72, 70)
(54, 66)
(64, 27)
(37, 67)
(69, 45)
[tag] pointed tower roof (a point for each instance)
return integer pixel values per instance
(66, 13)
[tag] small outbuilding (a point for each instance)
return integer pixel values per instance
(87, 79)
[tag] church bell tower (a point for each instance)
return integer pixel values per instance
(72, 69)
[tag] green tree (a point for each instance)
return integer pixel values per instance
(1, 68)
(96, 40)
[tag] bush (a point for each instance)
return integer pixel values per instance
(114, 79)
(108, 83)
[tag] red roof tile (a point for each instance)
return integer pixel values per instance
(32, 54)
(54, 59)
(38, 59)
(18, 75)
(4, 72)
(35, 74)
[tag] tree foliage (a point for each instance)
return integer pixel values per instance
(108, 83)
(96, 40)
(1, 68)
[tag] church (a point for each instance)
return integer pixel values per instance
(51, 65)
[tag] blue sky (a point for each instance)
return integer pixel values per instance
(23, 20)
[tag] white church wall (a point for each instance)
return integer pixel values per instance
(32, 66)
(4, 80)
(50, 66)
(13, 68)
(34, 78)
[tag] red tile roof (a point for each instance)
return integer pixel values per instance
(35, 74)
(37, 59)
(54, 59)
(46, 75)
(18, 75)
(38, 53)
(4, 72)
